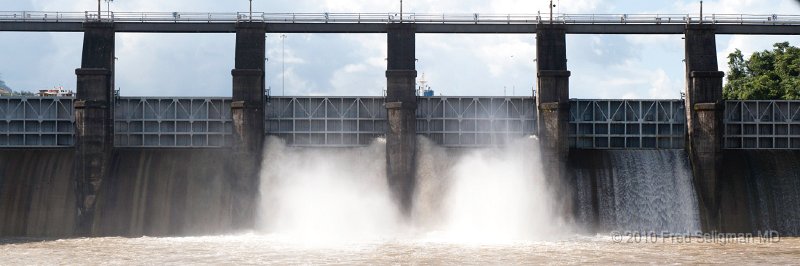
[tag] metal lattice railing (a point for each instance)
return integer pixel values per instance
(468, 18)
(475, 121)
(762, 125)
(172, 122)
(326, 121)
(36, 122)
(627, 124)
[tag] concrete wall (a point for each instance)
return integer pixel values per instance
(37, 195)
(760, 190)
(158, 192)
(165, 192)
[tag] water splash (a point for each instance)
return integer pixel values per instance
(487, 195)
(464, 196)
(324, 196)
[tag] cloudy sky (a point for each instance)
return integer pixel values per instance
(616, 66)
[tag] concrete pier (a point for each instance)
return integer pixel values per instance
(704, 119)
(401, 105)
(552, 98)
(94, 125)
(248, 121)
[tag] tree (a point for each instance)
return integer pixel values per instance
(4, 89)
(766, 75)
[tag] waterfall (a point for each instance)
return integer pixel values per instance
(641, 191)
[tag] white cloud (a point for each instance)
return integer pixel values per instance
(603, 66)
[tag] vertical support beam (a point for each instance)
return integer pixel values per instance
(247, 109)
(94, 125)
(401, 105)
(704, 119)
(552, 98)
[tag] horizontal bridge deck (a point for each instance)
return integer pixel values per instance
(187, 22)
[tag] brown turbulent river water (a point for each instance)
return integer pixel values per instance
(272, 249)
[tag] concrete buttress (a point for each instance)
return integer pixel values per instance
(552, 98)
(704, 119)
(401, 105)
(94, 125)
(248, 121)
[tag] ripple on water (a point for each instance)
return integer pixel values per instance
(260, 249)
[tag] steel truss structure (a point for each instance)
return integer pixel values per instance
(172, 122)
(475, 121)
(48, 122)
(627, 124)
(762, 125)
(45, 122)
(326, 121)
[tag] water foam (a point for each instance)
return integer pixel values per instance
(480, 195)
(326, 195)
(488, 195)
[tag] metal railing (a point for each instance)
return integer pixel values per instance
(762, 124)
(468, 18)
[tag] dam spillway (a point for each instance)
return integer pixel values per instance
(635, 190)
(171, 192)
(151, 192)
(151, 166)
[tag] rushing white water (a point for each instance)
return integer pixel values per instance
(643, 191)
(486, 195)
(322, 196)
(478, 196)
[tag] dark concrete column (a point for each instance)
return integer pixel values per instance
(248, 121)
(401, 105)
(704, 119)
(94, 125)
(552, 98)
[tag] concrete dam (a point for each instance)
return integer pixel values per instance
(103, 165)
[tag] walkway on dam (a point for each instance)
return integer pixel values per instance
(190, 22)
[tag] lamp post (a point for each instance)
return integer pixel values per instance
(701, 12)
(401, 11)
(108, 7)
(283, 64)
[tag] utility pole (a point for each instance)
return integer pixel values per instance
(701, 12)
(251, 10)
(401, 11)
(283, 64)
(108, 7)
(551, 11)
(98, 10)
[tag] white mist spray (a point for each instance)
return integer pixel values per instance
(330, 196)
(486, 195)
(321, 196)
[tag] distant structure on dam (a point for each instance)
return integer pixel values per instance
(99, 164)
